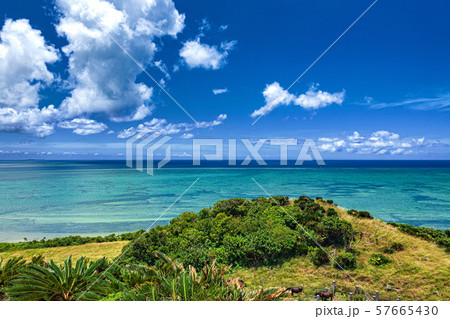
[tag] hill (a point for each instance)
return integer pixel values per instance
(270, 244)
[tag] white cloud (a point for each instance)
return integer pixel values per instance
(276, 96)
(223, 27)
(163, 68)
(228, 45)
(166, 128)
(102, 76)
(81, 126)
(187, 135)
(220, 91)
(379, 143)
(141, 113)
(422, 104)
(198, 55)
(219, 120)
(24, 56)
(39, 122)
(204, 26)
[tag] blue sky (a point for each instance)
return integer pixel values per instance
(381, 92)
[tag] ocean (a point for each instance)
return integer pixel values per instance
(59, 198)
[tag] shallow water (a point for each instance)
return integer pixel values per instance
(49, 199)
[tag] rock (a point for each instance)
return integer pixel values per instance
(388, 287)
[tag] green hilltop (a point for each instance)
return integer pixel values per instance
(269, 244)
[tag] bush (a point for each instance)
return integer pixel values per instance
(440, 237)
(388, 250)
(330, 201)
(364, 214)
(331, 212)
(379, 260)
(397, 246)
(235, 231)
(301, 249)
(352, 212)
(333, 230)
(319, 257)
(66, 241)
(360, 214)
(281, 200)
(232, 206)
(346, 261)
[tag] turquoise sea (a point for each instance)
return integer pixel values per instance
(49, 199)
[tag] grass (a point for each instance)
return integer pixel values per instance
(422, 270)
(58, 254)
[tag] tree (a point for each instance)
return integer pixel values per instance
(350, 237)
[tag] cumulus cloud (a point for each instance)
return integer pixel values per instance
(39, 122)
(219, 91)
(379, 142)
(24, 56)
(81, 126)
(102, 76)
(199, 55)
(164, 127)
(313, 99)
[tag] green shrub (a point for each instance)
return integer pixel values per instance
(352, 212)
(232, 206)
(281, 200)
(301, 249)
(346, 261)
(397, 246)
(360, 214)
(319, 257)
(364, 214)
(379, 260)
(440, 237)
(331, 212)
(330, 201)
(66, 241)
(388, 250)
(333, 230)
(235, 231)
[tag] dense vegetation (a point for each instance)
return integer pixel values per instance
(440, 237)
(191, 258)
(67, 241)
(84, 280)
(244, 232)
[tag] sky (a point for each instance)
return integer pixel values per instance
(73, 86)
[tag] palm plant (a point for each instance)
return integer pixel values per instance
(170, 280)
(8, 271)
(67, 282)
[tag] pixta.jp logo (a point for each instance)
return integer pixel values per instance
(142, 147)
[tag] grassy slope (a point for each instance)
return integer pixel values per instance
(58, 254)
(422, 270)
